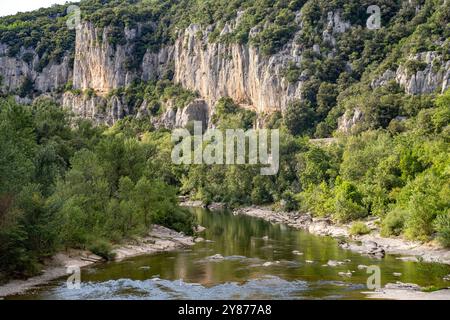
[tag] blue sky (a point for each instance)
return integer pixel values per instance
(8, 7)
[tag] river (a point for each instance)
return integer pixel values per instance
(259, 262)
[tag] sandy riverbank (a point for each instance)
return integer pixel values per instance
(159, 239)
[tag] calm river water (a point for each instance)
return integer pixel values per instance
(248, 246)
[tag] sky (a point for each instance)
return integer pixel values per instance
(8, 7)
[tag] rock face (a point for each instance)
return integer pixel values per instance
(213, 70)
(98, 64)
(97, 108)
(102, 66)
(434, 76)
(217, 70)
(349, 120)
(178, 118)
(15, 71)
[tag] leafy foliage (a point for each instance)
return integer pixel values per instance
(65, 183)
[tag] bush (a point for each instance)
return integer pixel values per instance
(292, 72)
(359, 228)
(442, 226)
(299, 117)
(347, 210)
(393, 223)
(27, 88)
(102, 248)
(348, 203)
(424, 198)
(288, 202)
(317, 199)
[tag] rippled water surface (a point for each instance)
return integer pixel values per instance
(258, 263)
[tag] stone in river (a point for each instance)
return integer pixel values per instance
(216, 257)
(361, 266)
(334, 263)
(345, 274)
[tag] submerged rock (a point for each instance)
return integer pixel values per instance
(347, 274)
(145, 268)
(216, 206)
(199, 229)
(216, 257)
(268, 264)
(403, 286)
(362, 266)
(334, 263)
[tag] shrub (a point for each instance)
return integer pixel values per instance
(393, 223)
(102, 248)
(413, 66)
(347, 210)
(292, 72)
(299, 117)
(27, 88)
(424, 198)
(288, 202)
(359, 228)
(442, 226)
(318, 199)
(348, 203)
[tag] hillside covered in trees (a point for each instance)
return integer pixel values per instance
(70, 178)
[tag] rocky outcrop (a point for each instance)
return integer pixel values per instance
(433, 76)
(100, 109)
(102, 66)
(157, 65)
(99, 64)
(335, 25)
(197, 110)
(214, 70)
(350, 120)
(14, 71)
(238, 71)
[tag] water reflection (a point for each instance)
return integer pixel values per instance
(245, 258)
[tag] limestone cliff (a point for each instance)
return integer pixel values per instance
(102, 66)
(433, 76)
(14, 71)
(238, 71)
(213, 69)
(197, 110)
(100, 109)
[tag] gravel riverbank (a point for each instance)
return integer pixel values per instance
(159, 239)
